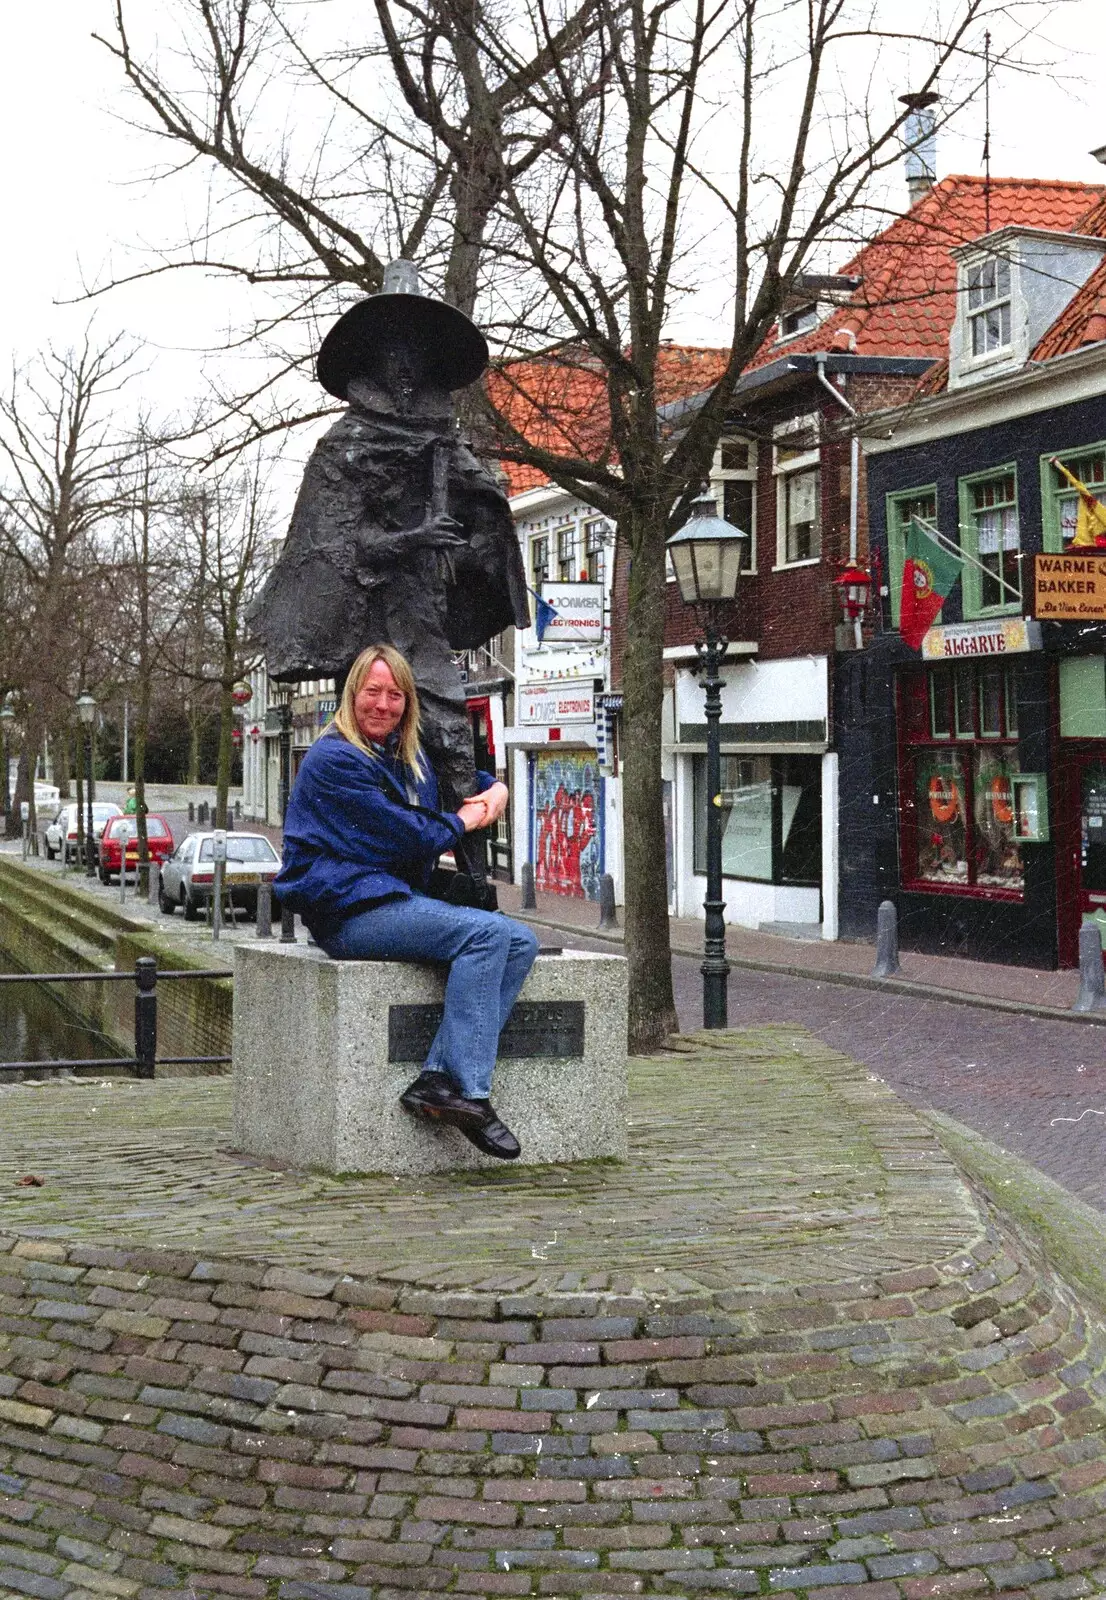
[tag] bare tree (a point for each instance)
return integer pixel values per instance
(584, 171)
(222, 521)
(60, 454)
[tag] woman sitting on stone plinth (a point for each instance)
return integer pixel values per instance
(361, 837)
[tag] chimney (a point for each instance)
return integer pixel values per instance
(920, 139)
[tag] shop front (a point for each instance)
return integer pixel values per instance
(778, 795)
(982, 812)
(561, 796)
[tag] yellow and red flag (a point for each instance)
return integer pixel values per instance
(1090, 522)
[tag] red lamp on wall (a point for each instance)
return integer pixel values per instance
(854, 587)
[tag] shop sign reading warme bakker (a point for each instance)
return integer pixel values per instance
(1006, 636)
(1070, 588)
(579, 608)
(548, 704)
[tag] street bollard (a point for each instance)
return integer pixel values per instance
(1092, 989)
(145, 1016)
(608, 916)
(238, 809)
(230, 821)
(220, 853)
(191, 811)
(264, 911)
(529, 898)
(887, 941)
(287, 925)
(152, 884)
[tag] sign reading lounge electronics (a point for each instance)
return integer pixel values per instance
(1006, 636)
(1070, 588)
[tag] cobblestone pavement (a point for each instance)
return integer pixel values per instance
(1033, 1085)
(847, 1380)
(712, 1195)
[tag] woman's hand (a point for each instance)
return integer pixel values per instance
(481, 810)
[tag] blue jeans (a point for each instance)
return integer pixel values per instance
(488, 957)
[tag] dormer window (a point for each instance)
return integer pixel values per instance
(1012, 285)
(989, 306)
(800, 320)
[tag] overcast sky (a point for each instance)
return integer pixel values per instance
(75, 195)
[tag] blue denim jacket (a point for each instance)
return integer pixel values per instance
(353, 837)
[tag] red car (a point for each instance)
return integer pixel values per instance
(120, 829)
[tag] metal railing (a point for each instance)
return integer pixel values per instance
(145, 978)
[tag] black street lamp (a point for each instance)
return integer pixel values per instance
(708, 557)
(86, 711)
(7, 717)
(282, 693)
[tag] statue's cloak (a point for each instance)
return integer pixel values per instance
(335, 585)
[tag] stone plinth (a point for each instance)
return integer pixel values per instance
(322, 1050)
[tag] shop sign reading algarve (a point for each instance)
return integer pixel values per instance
(1006, 636)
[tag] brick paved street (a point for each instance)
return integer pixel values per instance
(1034, 1085)
(784, 1351)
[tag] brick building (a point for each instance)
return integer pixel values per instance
(974, 773)
(789, 471)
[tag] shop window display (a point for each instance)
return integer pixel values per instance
(959, 756)
(771, 818)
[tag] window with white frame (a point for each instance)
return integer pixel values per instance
(798, 491)
(799, 320)
(733, 482)
(595, 541)
(989, 321)
(566, 553)
(539, 560)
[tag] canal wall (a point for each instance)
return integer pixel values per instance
(48, 925)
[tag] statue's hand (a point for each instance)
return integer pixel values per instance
(380, 549)
(440, 532)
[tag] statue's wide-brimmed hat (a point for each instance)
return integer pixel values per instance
(401, 314)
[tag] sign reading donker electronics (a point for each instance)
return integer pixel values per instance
(578, 611)
(1070, 588)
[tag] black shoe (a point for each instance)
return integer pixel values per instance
(433, 1094)
(494, 1138)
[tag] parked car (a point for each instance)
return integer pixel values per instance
(186, 879)
(61, 834)
(122, 831)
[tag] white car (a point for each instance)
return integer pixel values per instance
(61, 834)
(188, 876)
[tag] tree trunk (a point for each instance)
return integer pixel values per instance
(141, 731)
(194, 745)
(648, 949)
(28, 766)
(62, 761)
(226, 744)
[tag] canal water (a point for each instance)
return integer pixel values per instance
(36, 1027)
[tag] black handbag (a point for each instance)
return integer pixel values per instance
(462, 889)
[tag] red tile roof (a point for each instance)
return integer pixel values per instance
(559, 402)
(907, 301)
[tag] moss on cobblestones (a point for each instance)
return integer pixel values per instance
(1071, 1234)
(713, 1193)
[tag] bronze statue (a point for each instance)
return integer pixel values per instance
(399, 534)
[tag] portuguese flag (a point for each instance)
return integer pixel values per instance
(928, 574)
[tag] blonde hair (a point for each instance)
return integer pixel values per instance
(407, 733)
